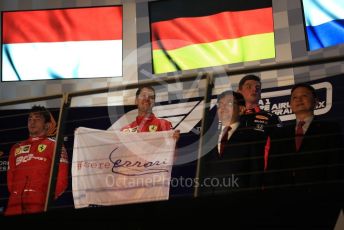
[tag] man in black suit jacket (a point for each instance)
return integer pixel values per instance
(306, 154)
(236, 163)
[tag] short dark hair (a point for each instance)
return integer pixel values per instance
(42, 111)
(239, 98)
(138, 91)
(304, 85)
(248, 77)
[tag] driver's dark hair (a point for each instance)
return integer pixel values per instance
(42, 111)
(138, 91)
(305, 85)
(248, 77)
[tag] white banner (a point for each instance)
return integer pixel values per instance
(112, 168)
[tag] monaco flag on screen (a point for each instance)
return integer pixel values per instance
(64, 43)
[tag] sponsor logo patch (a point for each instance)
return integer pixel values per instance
(133, 130)
(259, 127)
(262, 117)
(25, 149)
(22, 149)
(41, 148)
(153, 128)
(17, 151)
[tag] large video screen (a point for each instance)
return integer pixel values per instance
(62, 43)
(324, 22)
(204, 33)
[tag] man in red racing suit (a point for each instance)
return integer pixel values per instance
(148, 123)
(146, 120)
(29, 167)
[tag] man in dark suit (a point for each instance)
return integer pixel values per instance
(236, 163)
(306, 154)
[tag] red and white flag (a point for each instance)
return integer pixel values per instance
(64, 43)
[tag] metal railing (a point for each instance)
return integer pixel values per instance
(209, 76)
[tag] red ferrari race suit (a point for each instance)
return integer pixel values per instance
(28, 175)
(147, 124)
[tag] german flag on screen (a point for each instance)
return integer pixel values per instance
(203, 33)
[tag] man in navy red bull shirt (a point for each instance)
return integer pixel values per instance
(250, 87)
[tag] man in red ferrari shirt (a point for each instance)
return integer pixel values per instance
(29, 167)
(146, 121)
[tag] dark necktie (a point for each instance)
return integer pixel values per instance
(299, 135)
(224, 138)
